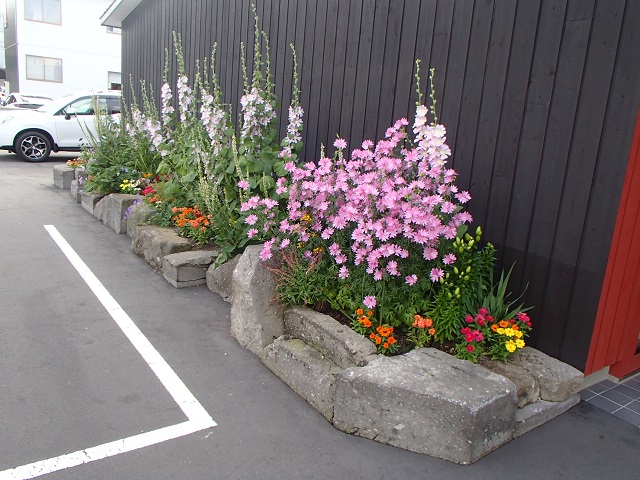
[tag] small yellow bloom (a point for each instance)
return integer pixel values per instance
(519, 343)
(510, 346)
(500, 331)
(518, 334)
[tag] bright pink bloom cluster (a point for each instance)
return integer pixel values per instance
(386, 201)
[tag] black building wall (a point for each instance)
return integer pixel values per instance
(539, 98)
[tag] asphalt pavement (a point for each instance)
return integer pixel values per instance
(70, 379)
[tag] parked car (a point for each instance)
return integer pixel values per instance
(18, 100)
(56, 126)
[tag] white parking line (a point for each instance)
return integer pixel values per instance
(198, 417)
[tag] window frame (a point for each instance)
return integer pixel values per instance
(42, 9)
(43, 79)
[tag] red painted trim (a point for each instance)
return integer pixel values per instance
(617, 325)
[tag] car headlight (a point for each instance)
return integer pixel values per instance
(4, 120)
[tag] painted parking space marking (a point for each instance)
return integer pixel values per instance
(198, 418)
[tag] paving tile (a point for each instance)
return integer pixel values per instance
(586, 394)
(617, 397)
(635, 406)
(602, 386)
(604, 404)
(626, 390)
(633, 383)
(629, 416)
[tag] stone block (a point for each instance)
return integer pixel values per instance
(220, 278)
(256, 318)
(338, 342)
(154, 243)
(558, 381)
(187, 269)
(111, 210)
(76, 191)
(89, 200)
(62, 176)
(429, 402)
(535, 414)
(306, 370)
(527, 387)
(139, 214)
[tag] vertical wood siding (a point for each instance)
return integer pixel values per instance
(539, 99)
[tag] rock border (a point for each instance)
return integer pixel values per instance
(425, 401)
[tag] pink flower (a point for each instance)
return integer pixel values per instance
(436, 274)
(265, 253)
(252, 232)
(251, 219)
(449, 259)
(470, 348)
(411, 279)
(344, 272)
(430, 253)
(285, 243)
(463, 197)
(370, 301)
(340, 143)
(243, 184)
(468, 319)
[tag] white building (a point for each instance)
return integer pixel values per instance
(53, 47)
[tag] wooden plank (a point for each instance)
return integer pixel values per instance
(454, 74)
(299, 43)
(282, 84)
(376, 66)
(339, 70)
(389, 80)
(589, 123)
(544, 66)
(472, 94)
(406, 61)
(512, 117)
(424, 41)
(329, 71)
(362, 75)
(350, 72)
(440, 45)
(317, 73)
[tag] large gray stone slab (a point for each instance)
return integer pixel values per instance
(112, 208)
(538, 413)
(339, 342)
(256, 318)
(187, 269)
(306, 370)
(220, 278)
(89, 200)
(139, 214)
(429, 402)
(527, 388)
(153, 243)
(558, 381)
(62, 176)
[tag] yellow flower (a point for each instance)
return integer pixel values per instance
(518, 334)
(510, 346)
(500, 331)
(509, 332)
(519, 343)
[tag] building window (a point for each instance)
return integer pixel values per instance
(44, 69)
(114, 30)
(46, 11)
(114, 80)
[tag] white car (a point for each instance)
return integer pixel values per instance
(19, 100)
(56, 126)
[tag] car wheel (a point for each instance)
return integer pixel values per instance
(33, 146)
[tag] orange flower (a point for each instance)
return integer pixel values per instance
(174, 209)
(372, 336)
(370, 313)
(503, 324)
(515, 327)
(359, 311)
(432, 331)
(385, 345)
(428, 322)
(378, 340)
(366, 322)
(494, 327)
(391, 340)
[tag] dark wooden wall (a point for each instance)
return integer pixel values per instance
(539, 98)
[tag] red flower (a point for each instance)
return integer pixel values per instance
(470, 348)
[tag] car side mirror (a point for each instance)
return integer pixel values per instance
(68, 112)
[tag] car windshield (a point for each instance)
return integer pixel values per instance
(57, 104)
